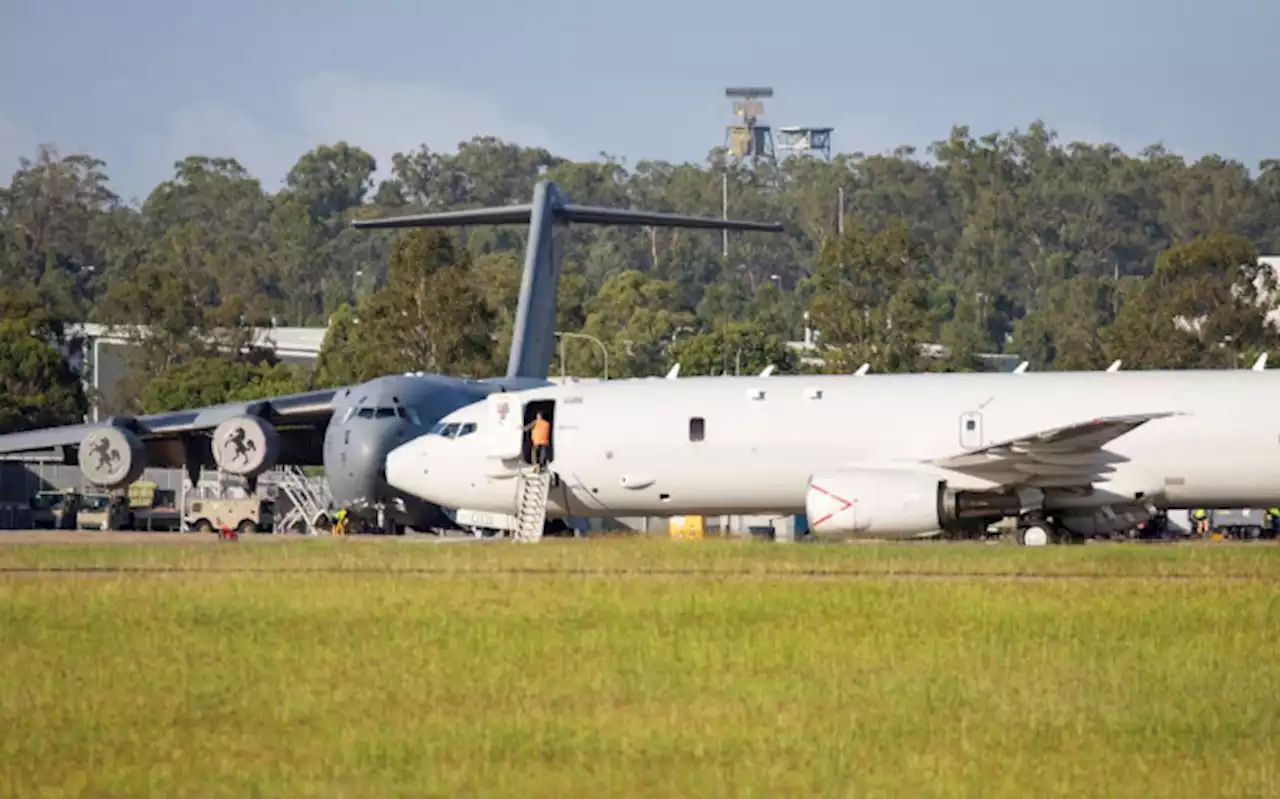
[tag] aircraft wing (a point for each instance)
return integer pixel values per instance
(309, 411)
(1062, 457)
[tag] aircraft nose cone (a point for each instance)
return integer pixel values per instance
(405, 471)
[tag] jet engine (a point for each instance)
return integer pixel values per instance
(887, 503)
(112, 457)
(246, 446)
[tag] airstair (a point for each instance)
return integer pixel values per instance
(531, 508)
(309, 498)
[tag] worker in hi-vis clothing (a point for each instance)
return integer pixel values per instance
(540, 438)
(340, 524)
(1202, 521)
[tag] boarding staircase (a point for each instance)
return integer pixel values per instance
(531, 505)
(309, 497)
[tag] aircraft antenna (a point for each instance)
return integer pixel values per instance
(748, 138)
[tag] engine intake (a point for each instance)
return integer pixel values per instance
(112, 457)
(246, 446)
(874, 503)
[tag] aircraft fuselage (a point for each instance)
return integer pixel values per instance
(753, 445)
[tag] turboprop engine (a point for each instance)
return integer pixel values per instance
(246, 446)
(112, 457)
(885, 503)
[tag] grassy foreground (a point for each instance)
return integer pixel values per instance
(345, 668)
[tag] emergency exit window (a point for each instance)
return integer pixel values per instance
(697, 428)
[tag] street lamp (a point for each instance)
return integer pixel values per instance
(589, 337)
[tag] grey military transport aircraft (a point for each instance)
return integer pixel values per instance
(351, 429)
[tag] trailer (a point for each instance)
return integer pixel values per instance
(1241, 523)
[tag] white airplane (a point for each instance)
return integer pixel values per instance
(1069, 454)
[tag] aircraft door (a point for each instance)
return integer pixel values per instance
(505, 427)
(971, 429)
(547, 409)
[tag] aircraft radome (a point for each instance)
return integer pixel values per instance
(349, 430)
(1068, 454)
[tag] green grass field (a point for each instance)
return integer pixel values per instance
(634, 667)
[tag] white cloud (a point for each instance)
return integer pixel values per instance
(381, 117)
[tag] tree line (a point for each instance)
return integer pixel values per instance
(1066, 253)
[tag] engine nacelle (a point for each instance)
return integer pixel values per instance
(112, 457)
(246, 446)
(875, 503)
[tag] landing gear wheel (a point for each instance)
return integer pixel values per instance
(1035, 535)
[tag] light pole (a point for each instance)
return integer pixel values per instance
(603, 350)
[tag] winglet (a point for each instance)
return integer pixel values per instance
(674, 373)
(862, 370)
(1114, 367)
(1022, 367)
(1260, 364)
(768, 370)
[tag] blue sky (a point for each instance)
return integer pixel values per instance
(141, 83)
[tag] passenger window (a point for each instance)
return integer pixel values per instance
(697, 428)
(969, 424)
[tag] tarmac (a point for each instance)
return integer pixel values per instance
(122, 537)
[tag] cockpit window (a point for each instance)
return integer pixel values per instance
(452, 429)
(366, 413)
(386, 413)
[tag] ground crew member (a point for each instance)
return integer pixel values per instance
(340, 523)
(540, 438)
(1274, 521)
(1202, 521)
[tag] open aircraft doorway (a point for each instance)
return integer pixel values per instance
(531, 410)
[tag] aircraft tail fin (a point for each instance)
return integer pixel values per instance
(533, 341)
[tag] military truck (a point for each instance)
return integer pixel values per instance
(55, 510)
(153, 508)
(242, 515)
(100, 511)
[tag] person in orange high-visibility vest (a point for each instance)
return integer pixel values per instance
(540, 438)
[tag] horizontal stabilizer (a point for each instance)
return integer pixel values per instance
(590, 215)
(579, 214)
(497, 215)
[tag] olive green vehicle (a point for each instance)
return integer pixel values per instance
(55, 510)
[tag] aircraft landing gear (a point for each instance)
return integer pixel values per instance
(1035, 535)
(1035, 530)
